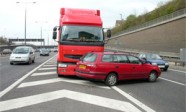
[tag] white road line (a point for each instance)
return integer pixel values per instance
(178, 71)
(21, 79)
(48, 68)
(54, 80)
(43, 73)
(82, 97)
(49, 65)
(135, 101)
(172, 81)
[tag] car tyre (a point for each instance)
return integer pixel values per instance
(152, 76)
(33, 61)
(11, 63)
(165, 69)
(111, 79)
(29, 61)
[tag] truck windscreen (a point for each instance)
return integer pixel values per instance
(81, 34)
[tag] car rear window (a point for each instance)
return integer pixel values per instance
(90, 57)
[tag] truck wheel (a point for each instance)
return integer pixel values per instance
(111, 79)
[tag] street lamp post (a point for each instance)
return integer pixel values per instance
(41, 30)
(26, 16)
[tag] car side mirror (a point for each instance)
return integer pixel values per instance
(144, 60)
(31, 52)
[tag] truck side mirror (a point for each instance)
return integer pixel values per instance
(54, 33)
(109, 33)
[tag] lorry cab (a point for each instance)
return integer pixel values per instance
(79, 31)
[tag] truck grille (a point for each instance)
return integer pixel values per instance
(73, 56)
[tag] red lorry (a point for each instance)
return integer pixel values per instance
(79, 31)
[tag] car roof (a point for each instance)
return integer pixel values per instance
(105, 52)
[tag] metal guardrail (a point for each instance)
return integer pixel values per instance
(173, 15)
(173, 59)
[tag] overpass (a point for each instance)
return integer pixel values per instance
(165, 35)
(11, 47)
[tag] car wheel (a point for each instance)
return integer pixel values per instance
(152, 76)
(29, 61)
(165, 69)
(33, 61)
(111, 79)
(11, 63)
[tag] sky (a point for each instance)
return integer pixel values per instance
(44, 14)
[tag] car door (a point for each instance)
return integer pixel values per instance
(121, 62)
(31, 53)
(107, 65)
(137, 69)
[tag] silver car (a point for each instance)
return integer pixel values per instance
(22, 54)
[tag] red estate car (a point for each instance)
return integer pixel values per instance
(111, 67)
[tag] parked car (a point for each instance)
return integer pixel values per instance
(44, 52)
(112, 67)
(22, 54)
(154, 59)
(7, 51)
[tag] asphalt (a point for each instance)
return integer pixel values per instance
(43, 91)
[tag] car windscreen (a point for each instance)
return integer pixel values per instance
(21, 50)
(44, 50)
(153, 57)
(90, 57)
(81, 33)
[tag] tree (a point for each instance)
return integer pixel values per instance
(3, 41)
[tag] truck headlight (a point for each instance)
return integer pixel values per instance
(166, 63)
(62, 65)
(154, 63)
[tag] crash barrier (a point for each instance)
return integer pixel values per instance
(168, 56)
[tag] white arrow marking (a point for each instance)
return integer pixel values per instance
(51, 68)
(43, 73)
(41, 82)
(82, 97)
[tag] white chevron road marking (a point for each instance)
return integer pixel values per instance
(82, 97)
(44, 73)
(51, 65)
(54, 80)
(48, 68)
